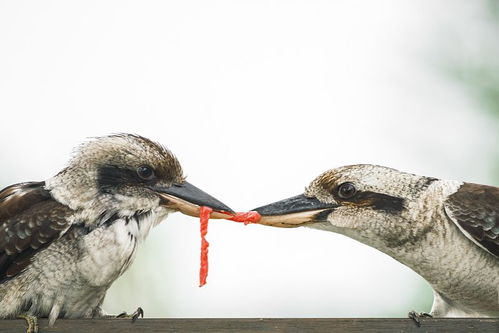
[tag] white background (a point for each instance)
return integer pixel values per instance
(256, 98)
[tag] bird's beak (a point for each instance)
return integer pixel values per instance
(294, 212)
(187, 199)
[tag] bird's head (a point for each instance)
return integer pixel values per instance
(366, 202)
(127, 174)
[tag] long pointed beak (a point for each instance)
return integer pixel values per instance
(294, 212)
(187, 199)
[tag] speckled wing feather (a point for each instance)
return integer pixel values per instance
(475, 210)
(30, 219)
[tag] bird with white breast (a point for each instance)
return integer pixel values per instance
(63, 242)
(446, 231)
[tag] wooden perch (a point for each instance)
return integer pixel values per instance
(335, 325)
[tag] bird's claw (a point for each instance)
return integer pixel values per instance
(32, 322)
(138, 313)
(134, 316)
(416, 316)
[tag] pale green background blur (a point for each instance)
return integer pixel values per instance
(256, 98)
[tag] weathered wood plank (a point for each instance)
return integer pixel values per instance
(334, 325)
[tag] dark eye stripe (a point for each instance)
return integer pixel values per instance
(379, 201)
(110, 176)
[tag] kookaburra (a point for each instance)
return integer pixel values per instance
(446, 231)
(65, 240)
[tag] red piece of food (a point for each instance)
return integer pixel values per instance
(204, 217)
(246, 217)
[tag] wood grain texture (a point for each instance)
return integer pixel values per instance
(335, 325)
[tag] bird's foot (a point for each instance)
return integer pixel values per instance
(32, 322)
(134, 316)
(416, 316)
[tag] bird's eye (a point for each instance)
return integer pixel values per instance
(145, 172)
(346, 190)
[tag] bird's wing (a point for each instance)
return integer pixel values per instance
(30, 219)
(475, 210)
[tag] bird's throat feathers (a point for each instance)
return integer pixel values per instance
(94, 210)
(137, 224)
(394, 225)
